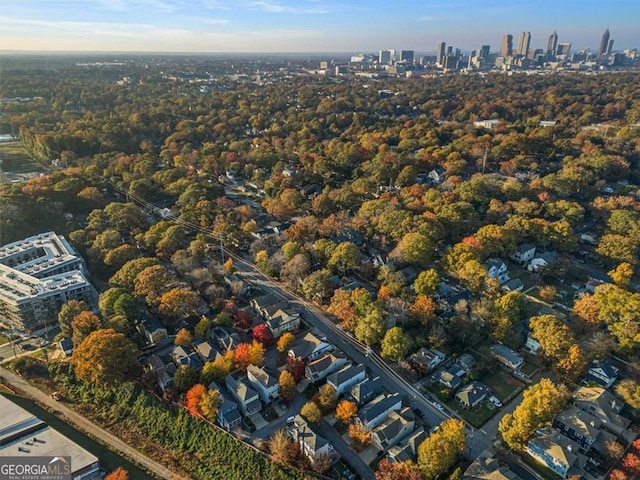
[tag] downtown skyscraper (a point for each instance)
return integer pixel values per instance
(506, 49)
(604, 44)
(523, 44)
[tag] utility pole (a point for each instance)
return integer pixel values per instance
(484, 159)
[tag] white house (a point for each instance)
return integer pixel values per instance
(426, 359)
(488, 124)
(309, 347)
(541, 260)
(264, 383)
(496, 268)
(532, 345)
(602, 372)
(524, 253)
(310, 441)
(282, 321)
(247, 398)
(344, 379)
(322, 366)
(506, 356)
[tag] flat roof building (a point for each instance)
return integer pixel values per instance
(37, 276)
(25, 435)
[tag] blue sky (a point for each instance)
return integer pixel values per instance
(308, 25)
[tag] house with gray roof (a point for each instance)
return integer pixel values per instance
(366, 390)
(506, 356)
(602, 372)
(263, 382)
(449, 378)
(228, 416)
(496, 268)
(347, 377)
(324, 365)
(396, 427)
(542, 260)
(378, 410)
(309, 347)
(524, 253)
(472, 394)
(242, 391)
(206, 350)
(308, 437)
(487, 467)
(407, 449)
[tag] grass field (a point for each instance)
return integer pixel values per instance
(3, 339)
(108, 459)
(15, 159)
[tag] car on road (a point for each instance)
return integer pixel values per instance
(419, 413)
(438, 405)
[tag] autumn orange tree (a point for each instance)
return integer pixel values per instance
(287, 387)
(345, 411)
(118, 474)
(183, 338)
(105, 357)
(179, 303)
(193, 398)
(83, 324)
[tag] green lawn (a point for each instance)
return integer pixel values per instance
(16, 159)
(540, 468)
(504, 386)
(476, 416)
(108, 459)
(3, 339)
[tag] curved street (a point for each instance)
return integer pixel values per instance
(87, 426)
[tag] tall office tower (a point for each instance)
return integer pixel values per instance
(440, 53)
(384, 57)
(406, 56)
(552, 44)
(484, 52)
(563, 49)
(610, 47)
(506, 50)
(604, 43)
(472, 57)
(523, 44)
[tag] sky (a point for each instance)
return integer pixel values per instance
(227, 26)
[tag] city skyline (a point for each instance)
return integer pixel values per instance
(262, 26)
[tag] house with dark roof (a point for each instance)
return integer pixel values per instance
(181, 356)
(579, 426)
(396, 427)
(345, 378)
(603, 373)
(541, 260)
(365, 391)
(407, 448)
(259, 304)
(154, 331)
(449, 378)
(426, 360)
(506, 356)
(378, 410)
(228, 416)
(225, 339)
(524, 253)
(472, 394)
(513, 285)
(163, 369)
(466, 361)
(324, 365)
(496, 268)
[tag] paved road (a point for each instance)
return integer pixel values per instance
(345, 451)
(478, 440)
(87, 426)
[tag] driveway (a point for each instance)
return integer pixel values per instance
(258, 420)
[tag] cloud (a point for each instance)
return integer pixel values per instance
(426, 18)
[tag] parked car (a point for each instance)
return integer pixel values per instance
(419, 413)
(493, 400)
(438, 405)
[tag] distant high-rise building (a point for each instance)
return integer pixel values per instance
(552, 44)
(484, 52)
(523, 44)
(440, 53)
(610, 46)
(406, 56)
(604, 43)
(385, 56)
(506, 50)
(563, 49)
